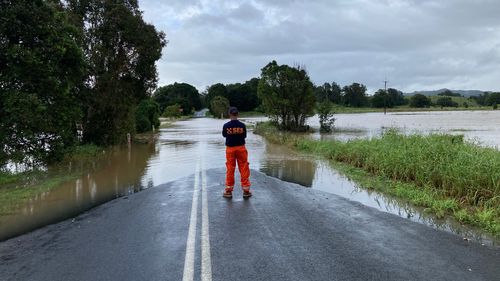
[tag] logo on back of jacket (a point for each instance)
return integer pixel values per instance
(234, 131)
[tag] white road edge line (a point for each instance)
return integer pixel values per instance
(206, 261)
(188, 274)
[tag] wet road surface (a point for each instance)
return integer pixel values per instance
(185, 230)
(121, 171)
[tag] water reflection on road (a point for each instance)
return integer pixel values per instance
(190, 139)
(122, 171)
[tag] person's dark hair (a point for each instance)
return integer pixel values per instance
(233, 110)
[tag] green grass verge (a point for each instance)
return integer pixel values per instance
(442, 173)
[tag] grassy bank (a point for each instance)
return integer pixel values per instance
(16, 189)
(442, 173)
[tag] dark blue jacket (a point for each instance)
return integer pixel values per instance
(235, 133)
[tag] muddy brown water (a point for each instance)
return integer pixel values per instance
(121, 171)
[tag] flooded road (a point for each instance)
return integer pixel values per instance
(122, 171)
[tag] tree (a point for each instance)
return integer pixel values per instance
(219, 106)
(446, 101)
(325, 115)
(323, 92)
(331, 92)
(172, 111)
(336, 93)
(147, 115)
(388, 99)
(253, 98)
(419, 100)
(481, 99)
(493, 98)
(244, 96)
(396, 97)
(287, 95)
(381, 99)
(448, 93)
(41, 66)
(355, 95)
(213, 91)
(183, 94)
(121, 51)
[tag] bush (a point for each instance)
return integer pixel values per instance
(446, 102)
(325, 114)
(172, 111)
(147, 115)
(420, 101)
(219, 106)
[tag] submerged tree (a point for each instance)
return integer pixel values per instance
(325, 115)
(287, 95)
(41, 67)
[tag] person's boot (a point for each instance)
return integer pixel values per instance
(228, 192)
(246, 193)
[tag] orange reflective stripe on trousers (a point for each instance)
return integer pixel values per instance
(237, 154)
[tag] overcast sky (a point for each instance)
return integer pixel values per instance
(415, 44)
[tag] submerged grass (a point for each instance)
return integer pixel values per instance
(13, 196)
(442, 173)
(17, 188)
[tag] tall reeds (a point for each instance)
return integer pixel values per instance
(451, 175)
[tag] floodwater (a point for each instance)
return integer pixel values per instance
(482, 127)
(121, 171)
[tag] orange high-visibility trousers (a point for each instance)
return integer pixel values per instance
(237, 154)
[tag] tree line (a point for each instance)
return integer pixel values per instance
(487, 99)
(84, 71)
(71, 66)
(288, 96)
(183, 99)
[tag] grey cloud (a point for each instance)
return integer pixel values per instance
(425, 44)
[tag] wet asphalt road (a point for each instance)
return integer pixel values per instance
(284, 232)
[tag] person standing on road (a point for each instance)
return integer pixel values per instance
(235, 133)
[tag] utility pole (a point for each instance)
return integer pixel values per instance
(385, 96)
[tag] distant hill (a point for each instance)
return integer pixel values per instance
(465, 93)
